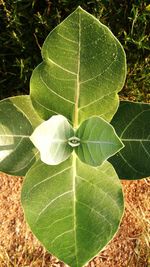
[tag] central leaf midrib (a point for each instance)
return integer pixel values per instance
(74, 203)
(15, 135)
(75, 123)
(135, 140)
(97, 142)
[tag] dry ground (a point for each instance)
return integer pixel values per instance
(129, 248)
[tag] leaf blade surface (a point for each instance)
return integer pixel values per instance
(51, 138)
(71, 225)
(98, 141)
(17, 121)
(132, 124)
(83, 69)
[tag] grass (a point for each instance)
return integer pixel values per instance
(26, 23)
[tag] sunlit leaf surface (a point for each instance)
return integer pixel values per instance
(73, 209)
(51, 138)
(83, 68)
(98, 141)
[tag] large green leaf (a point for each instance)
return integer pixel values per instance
(17, 121)
(98, 141)
(83, 68)
(73, 209)
(132, 124)
(51, 138)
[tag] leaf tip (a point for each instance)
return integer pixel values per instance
(79, 9)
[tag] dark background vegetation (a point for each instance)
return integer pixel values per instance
(24, 25)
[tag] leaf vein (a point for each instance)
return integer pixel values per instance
(60, 67)
(129, 163)
(59, 220)
(130, 123)
(101, 190)
(67, 39)
(94, 101)
(48, 178)
(64, 233)
(51, 202)
(51, 90)
(92, 209)
(105, 70)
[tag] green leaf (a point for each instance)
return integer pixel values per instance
(68, 208)
(17, 121)
(83, 68)
(51, 138)
(98, 141)
(132, 124)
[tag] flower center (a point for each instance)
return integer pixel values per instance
(74, 141)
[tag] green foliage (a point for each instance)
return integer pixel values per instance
(52, 139)
(73, 209)
(57, 190)
(17, 122)
(81, 40)
(94, 141)
(132, 123)
(129, 21)
(98, 141)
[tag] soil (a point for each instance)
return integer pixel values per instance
(129, 248)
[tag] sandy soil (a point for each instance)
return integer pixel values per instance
(129, 248)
